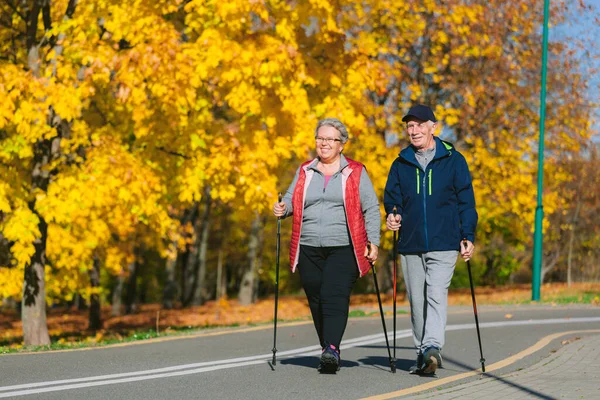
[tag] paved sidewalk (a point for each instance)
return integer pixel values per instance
(573, 372)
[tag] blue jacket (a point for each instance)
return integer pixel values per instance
(437, 204)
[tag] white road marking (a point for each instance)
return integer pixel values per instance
(196, 368)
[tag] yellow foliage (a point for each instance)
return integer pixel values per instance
(154, 100)
(21, 227)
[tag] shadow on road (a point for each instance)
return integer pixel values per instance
(383, 363)
(313, 362)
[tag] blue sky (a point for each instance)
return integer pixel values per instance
(583, 25)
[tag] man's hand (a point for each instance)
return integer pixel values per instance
(393, 223)
(466, 253)
(372, 255)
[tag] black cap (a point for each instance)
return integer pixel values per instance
(421, 112)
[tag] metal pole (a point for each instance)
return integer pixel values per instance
(387, 342)
(395, 252)
(278, 249)
(539, 210)
(481, 359)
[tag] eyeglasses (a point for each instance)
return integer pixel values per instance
(411, 126)
(328, 140)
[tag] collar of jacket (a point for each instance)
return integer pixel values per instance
(442, 149)
(343, 164)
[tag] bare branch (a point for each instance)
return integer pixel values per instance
(71, 9)
(173, 153)
(46, 15)
(101, 113)
(15, 10)
(32, 21)
(7, 25)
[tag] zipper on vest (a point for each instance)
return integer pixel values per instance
(418, 182)
(430, 171)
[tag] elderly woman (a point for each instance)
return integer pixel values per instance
(335, 215)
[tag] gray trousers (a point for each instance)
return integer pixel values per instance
(427, 277)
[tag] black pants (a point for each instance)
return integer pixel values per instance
(328, 274)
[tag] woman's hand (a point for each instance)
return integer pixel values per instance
(279, 209)
(372, 255)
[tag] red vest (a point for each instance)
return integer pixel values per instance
(354, 215)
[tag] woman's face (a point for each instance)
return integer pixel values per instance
(329, 144)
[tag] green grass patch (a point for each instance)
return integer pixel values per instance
(69, 342)
(588, 297)
(582, 298)
(73, 343)
(362, 313)
(357, 313)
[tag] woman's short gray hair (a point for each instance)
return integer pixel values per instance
(335, 123)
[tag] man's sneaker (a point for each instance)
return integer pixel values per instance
(330, 360)
(432, 360)
(416, 369)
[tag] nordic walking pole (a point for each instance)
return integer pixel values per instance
(277, 251)
(380, 307)
(482, 360)
(393, 362)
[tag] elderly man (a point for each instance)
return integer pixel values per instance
(430, 186)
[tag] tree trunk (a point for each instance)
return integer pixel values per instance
(10, 303)
(200, 290)
(118, 296)
(170, 289)
(78, 302)
(46, 150)
(249, 285)
(131, 300)
(95, 318)
(221, 288)
(572, 236)
(190, 259)
(549, 265)
(33, 311)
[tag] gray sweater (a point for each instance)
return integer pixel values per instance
(324, 219)
(424, 157)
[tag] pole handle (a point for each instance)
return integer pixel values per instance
(279, 198)
(395, 211)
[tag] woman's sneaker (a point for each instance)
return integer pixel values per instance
(432, 360)
(330, 360)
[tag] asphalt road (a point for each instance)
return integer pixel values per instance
(235, 363)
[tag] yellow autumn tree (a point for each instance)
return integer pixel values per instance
(84, 87)
(117, 119)
(482, 77)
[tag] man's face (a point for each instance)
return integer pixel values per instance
(420, 132)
